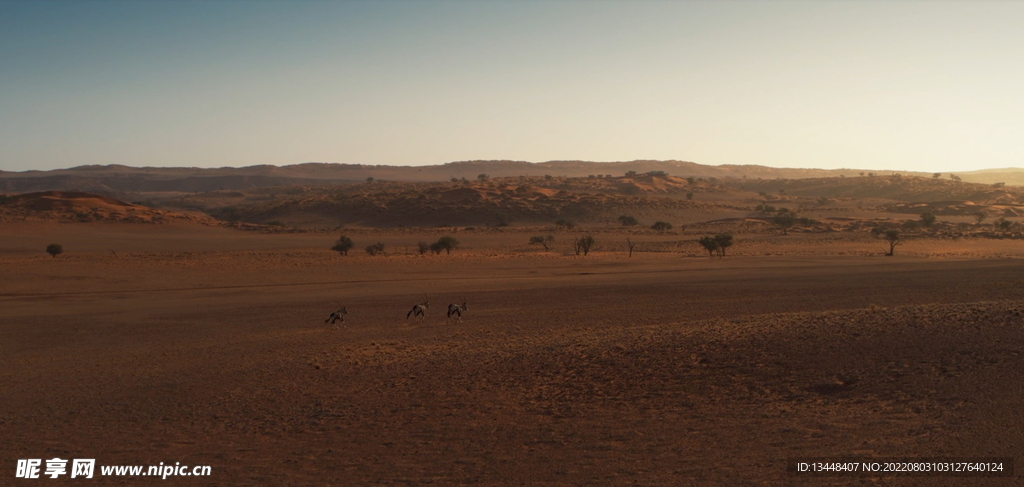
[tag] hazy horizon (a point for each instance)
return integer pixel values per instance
(911, 86)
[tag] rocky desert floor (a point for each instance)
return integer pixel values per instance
(201, 345)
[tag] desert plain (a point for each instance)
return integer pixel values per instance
(206, 345)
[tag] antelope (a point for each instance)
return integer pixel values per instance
(419, 310)
(456, 310)
(336, 316)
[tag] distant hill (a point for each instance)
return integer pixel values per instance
(123, 179)
(75, 206)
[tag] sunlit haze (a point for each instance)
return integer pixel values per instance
(921, 86)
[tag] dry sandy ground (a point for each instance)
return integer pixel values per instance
(206, 346)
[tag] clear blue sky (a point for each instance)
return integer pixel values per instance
(929, 86)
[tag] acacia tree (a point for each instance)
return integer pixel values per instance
(542, 240)
(446, 243)
(343, 245)
(583, 244)
(893, 237)
(709, 243)
(630, 244)
(54, 250)
(724, 241)
(785, 221)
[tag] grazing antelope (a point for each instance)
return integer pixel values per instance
(456, 310)
(419, 310)
(336, 316)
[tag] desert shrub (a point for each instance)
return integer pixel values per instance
(422, 247)
(583, 244)
(691, 180)
(927, 219)
(1003, 224)
(446, 243)
(369, 179)
(566, 224)
(482, 177)
(657, 173)
(374, 249)
(628, 221)
(502, 219)
(661, 226)
(765, 209)
(980, 217)
(998, 185)
(544, 240)
(4, 199)
(630, 174)
(689, 195)
(54, 250)
(343, 245)
(910, 225)
(937, 175)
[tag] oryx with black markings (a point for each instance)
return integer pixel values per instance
(457, 310)
(419, 310)
(337, 316)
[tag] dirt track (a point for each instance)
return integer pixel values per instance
(657, 370)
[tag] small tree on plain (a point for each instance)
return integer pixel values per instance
(980, 217)
(343, 245)
(563, 223)
(893, 238)
(377, 248)
(583, 244)
(422, 247)
(54, 250)
(543, 240)
(447, 243)
(785, 221)
(662, 226)
(630, 244)
(724, 241)
(709, 243)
